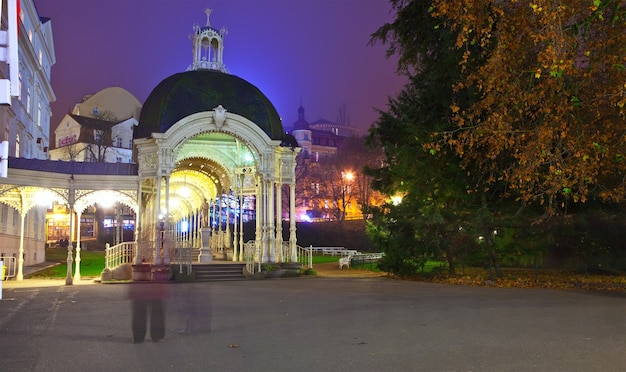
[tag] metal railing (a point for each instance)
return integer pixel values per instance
(183, 254)
(119, 254)
(252, 256)
(11, 267)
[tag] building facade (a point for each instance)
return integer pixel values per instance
(209, 146)
(25, 124)
(100, 128)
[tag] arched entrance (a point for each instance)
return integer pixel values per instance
(207, 175)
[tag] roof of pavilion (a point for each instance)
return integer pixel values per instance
(74, 167)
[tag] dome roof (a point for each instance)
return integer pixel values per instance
(190, 92)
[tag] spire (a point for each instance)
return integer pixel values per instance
(301, 113)
(208, 16)
(208, 46)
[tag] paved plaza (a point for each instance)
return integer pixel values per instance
(313, 324)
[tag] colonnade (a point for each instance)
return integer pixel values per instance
(226, 221)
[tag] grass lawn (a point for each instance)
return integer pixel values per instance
(91, 263)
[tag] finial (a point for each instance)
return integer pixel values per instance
(208, 15)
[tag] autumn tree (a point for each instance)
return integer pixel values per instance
(524, 99)
(548, 121)
(354, 158)
(103, 139)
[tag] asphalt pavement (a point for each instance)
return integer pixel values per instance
(311, 324)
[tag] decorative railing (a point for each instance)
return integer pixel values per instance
(119, 254)
(252, 256)
(305, 256)
(184, 255)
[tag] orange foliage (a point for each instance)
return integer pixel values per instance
(550, 78)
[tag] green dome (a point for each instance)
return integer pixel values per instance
(187, 93)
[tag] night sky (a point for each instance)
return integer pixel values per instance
(310, 51)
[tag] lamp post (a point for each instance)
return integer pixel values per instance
(346, 189)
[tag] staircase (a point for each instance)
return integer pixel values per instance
(217, 272)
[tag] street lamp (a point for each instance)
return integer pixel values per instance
(346, 188)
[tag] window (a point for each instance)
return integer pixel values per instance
(28, 100)
(130, 143)
(17, 145)
(19, 86)
(118, 142)
(40, 57)
(97, 136)
(3, 213)
(39, 114)
(119, 159)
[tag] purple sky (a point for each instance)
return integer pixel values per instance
(314, 51)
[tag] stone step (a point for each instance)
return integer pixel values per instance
(216, 272)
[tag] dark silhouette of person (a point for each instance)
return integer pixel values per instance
(193, 309)
(148, 305)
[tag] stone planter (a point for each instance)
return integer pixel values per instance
(160, 273)
(141, 273)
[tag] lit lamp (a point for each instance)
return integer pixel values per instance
(347, 178)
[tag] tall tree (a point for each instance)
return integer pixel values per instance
(506, 101)
(549, 122)
(433, 190)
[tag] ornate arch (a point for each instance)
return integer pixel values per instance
(86, 198)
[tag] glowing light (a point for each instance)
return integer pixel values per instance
(43, 199)
(106, 201)
(184, 226)
(184, 192)
(396, 199)
(349, 176)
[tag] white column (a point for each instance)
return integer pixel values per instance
(168, 223)
(236, 222)
(138, 223)
(68, 277)
(258, 235)
(241, 209)
(271, 233)
(279, 222)
(20, 252)
(220, 234)
(227, 239)
(292, 222)
(71, 197)
(77, 260)
(159, 226)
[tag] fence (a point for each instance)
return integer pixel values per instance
(252, 256)
(119, 254)
(11, 266)
(365, 258)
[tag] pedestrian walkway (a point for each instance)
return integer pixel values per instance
(29, 282)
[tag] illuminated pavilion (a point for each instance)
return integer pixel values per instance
(209, 147)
